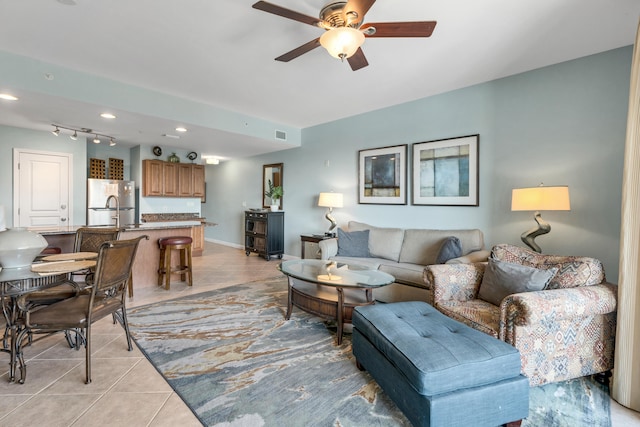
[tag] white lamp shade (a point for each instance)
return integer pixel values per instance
(330, 200)
(342, 42)
(540, 199)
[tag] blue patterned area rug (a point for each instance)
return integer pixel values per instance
(235, 361)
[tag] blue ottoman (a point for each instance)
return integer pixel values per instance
(438, 371)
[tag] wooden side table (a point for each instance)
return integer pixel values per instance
(311, 238)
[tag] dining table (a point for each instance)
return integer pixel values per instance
(16, 283)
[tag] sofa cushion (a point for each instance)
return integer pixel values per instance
(353, 244)
(503, 278)
(383, 242)
(421, 246)
(409, 274)
(435, 354)
(573, 271)
(449, 249)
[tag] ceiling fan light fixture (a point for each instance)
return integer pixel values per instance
(342, 42)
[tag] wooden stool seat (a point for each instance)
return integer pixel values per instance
(183, 245)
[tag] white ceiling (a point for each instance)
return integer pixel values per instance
(220, 53)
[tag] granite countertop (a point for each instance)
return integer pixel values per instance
(148, 222)
(71, 229)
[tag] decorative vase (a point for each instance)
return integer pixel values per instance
(173, 158)
(19, 247)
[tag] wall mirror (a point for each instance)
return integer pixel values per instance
(273, 173)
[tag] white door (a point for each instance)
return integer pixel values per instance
(42, 185)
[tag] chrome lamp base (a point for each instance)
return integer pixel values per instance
(529, 236)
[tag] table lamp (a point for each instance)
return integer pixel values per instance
(538, 199)
(330, 200)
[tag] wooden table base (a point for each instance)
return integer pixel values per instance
(330, 302)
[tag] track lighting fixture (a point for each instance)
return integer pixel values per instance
(74, 136)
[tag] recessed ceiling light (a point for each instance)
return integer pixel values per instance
(181, 129)
(8, 97)
(107, 116)
(168, 135)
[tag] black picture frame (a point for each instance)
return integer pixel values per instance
(382, 175)
(445, 172)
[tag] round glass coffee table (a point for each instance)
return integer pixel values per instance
(331, 289)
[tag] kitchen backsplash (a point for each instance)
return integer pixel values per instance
(163, 217)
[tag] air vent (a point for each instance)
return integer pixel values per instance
(281, 135)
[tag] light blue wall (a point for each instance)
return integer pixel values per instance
(561, 125)
(12, 137)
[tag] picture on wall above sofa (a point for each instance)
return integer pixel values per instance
(382, 176)
(445, 172)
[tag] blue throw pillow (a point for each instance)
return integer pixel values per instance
(449, 249)
(353, 244)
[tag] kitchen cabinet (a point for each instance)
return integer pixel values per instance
(198, 180)
(168, 179)
(197, 235)
(152, 177)
(264, 233)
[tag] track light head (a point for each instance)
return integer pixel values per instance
(96, 140)
(74, 136)
(56, 132)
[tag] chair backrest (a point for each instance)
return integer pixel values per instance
(113, 268)
(89, 239)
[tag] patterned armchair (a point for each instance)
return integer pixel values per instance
(565, 331)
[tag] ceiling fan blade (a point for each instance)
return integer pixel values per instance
(286, 13)
(358, 60)
(301, 50)
(400, 29)
(360, 7)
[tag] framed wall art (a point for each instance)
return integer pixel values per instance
(382, 176)
(445, 172)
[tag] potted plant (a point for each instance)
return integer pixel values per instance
(274, 193)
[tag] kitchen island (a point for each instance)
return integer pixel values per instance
(145, 266)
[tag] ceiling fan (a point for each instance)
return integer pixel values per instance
(345, 30)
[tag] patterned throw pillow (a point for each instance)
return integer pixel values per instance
(449, 249)
(502, 279)
(353, 244)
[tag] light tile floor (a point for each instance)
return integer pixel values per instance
(126, 389)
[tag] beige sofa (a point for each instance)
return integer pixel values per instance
(404, 253)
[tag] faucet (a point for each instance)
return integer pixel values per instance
(117, 216)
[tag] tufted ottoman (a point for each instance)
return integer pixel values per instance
(438, 371)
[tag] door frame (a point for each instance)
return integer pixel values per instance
(16, 180)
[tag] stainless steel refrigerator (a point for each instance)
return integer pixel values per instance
(99, 190)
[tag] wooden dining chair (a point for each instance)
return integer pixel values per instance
(107, 297)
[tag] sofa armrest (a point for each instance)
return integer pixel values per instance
(471, 257)
(328, 248)
(554, 305)
(458, 282)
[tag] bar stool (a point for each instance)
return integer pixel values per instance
(183, 245)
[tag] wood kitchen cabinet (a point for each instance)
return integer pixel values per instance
(152, 177)
(198, 180)
(172, 179)
(185, 180)
(197, 237)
